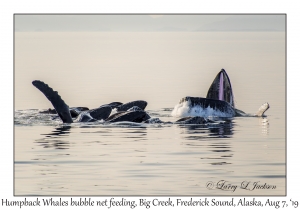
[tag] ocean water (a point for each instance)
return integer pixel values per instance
(95, 68)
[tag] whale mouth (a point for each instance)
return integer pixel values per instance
(219, 101)
(221, 88)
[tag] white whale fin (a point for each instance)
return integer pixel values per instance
(262, 109)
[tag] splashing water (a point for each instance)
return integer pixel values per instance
(185, 109)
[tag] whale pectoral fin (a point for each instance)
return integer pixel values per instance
(262, 109)
(60, 106)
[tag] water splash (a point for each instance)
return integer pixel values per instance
(185, 109)
(33, 117)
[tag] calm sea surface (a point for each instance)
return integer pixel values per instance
(91, 69)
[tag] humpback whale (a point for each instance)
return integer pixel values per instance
(219, 101)
(132, 111)
(83, 114)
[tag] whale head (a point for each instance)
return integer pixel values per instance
(221, 89)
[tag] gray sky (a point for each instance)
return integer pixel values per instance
(157, 22)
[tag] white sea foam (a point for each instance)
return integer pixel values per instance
(185, 109)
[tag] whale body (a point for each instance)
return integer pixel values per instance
(83, 114)
(219, 101)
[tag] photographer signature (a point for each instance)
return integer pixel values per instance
(245, 185)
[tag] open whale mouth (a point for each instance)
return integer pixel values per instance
(219, 101)
(221, 89)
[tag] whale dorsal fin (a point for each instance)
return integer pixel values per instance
(59, 105)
